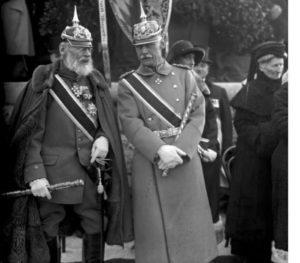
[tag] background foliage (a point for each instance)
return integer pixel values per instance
(237, 24)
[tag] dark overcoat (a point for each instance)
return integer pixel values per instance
(210, 169)
(219, 99)
(24, 231)
(249, 215)
(280, 170)
(221, 139)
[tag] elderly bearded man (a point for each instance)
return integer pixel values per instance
(172, 220)
(71, 126)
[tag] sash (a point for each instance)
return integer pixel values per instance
(72, 107)
(151, 99)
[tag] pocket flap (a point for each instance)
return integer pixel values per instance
(49, 159)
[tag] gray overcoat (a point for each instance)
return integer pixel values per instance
(172, 219)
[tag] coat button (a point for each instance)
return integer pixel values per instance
(35, 166)
(175, 86)
(172, 73)
(149, 119)
(177, 100)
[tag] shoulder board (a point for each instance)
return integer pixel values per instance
(126, 74)
(181, 66)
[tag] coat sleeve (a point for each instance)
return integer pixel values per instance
(192, 132)
(34, 167)
(143, 139)
(210, 131)
(226, 120)
(258, 135)
(280, 113)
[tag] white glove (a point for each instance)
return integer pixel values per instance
(99, 149)
(208, 155)
(170, 156)
(39, 188)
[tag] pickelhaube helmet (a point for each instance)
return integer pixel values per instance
(146, 31)
(77, 35)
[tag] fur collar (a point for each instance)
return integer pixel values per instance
(43, 77)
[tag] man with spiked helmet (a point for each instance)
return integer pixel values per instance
(64, 128)
(172, 221)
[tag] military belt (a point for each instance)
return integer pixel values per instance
(167, 133)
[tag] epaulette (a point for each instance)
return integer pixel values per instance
(126, 74)
(181, 66)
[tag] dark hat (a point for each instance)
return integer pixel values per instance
(183, 47)
(206, 58)
(146, 31)
(77, 35)
(264, 52)
(269, 49)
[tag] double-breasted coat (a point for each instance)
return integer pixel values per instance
(172, 220)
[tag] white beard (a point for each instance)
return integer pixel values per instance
(82, 69)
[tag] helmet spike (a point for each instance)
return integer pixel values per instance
(143, 16)
(75, 17)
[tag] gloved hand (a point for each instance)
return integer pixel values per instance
(39, 188)
(99, 149)
(170, 156)
(208, 155)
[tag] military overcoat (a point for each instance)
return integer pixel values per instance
(172, 219)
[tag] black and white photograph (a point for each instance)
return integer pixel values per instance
(149, 131)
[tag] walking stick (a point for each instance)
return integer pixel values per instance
(184, 121)
(54, 187)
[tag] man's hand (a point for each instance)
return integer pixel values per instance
(99, 149)
(208, 155)
(170, 156)
(39, 188)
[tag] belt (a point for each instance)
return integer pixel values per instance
(167, 133)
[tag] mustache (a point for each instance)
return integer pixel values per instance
(145, 56)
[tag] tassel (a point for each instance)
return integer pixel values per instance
(100, 187)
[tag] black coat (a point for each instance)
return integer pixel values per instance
(219, 99)
(249, 220)
(280, 170)
(211, 170)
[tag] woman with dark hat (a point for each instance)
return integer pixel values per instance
(249, 214)
(183, 52)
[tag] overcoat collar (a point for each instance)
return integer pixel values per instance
(43, 77)
(257, 95)
(162, 69)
